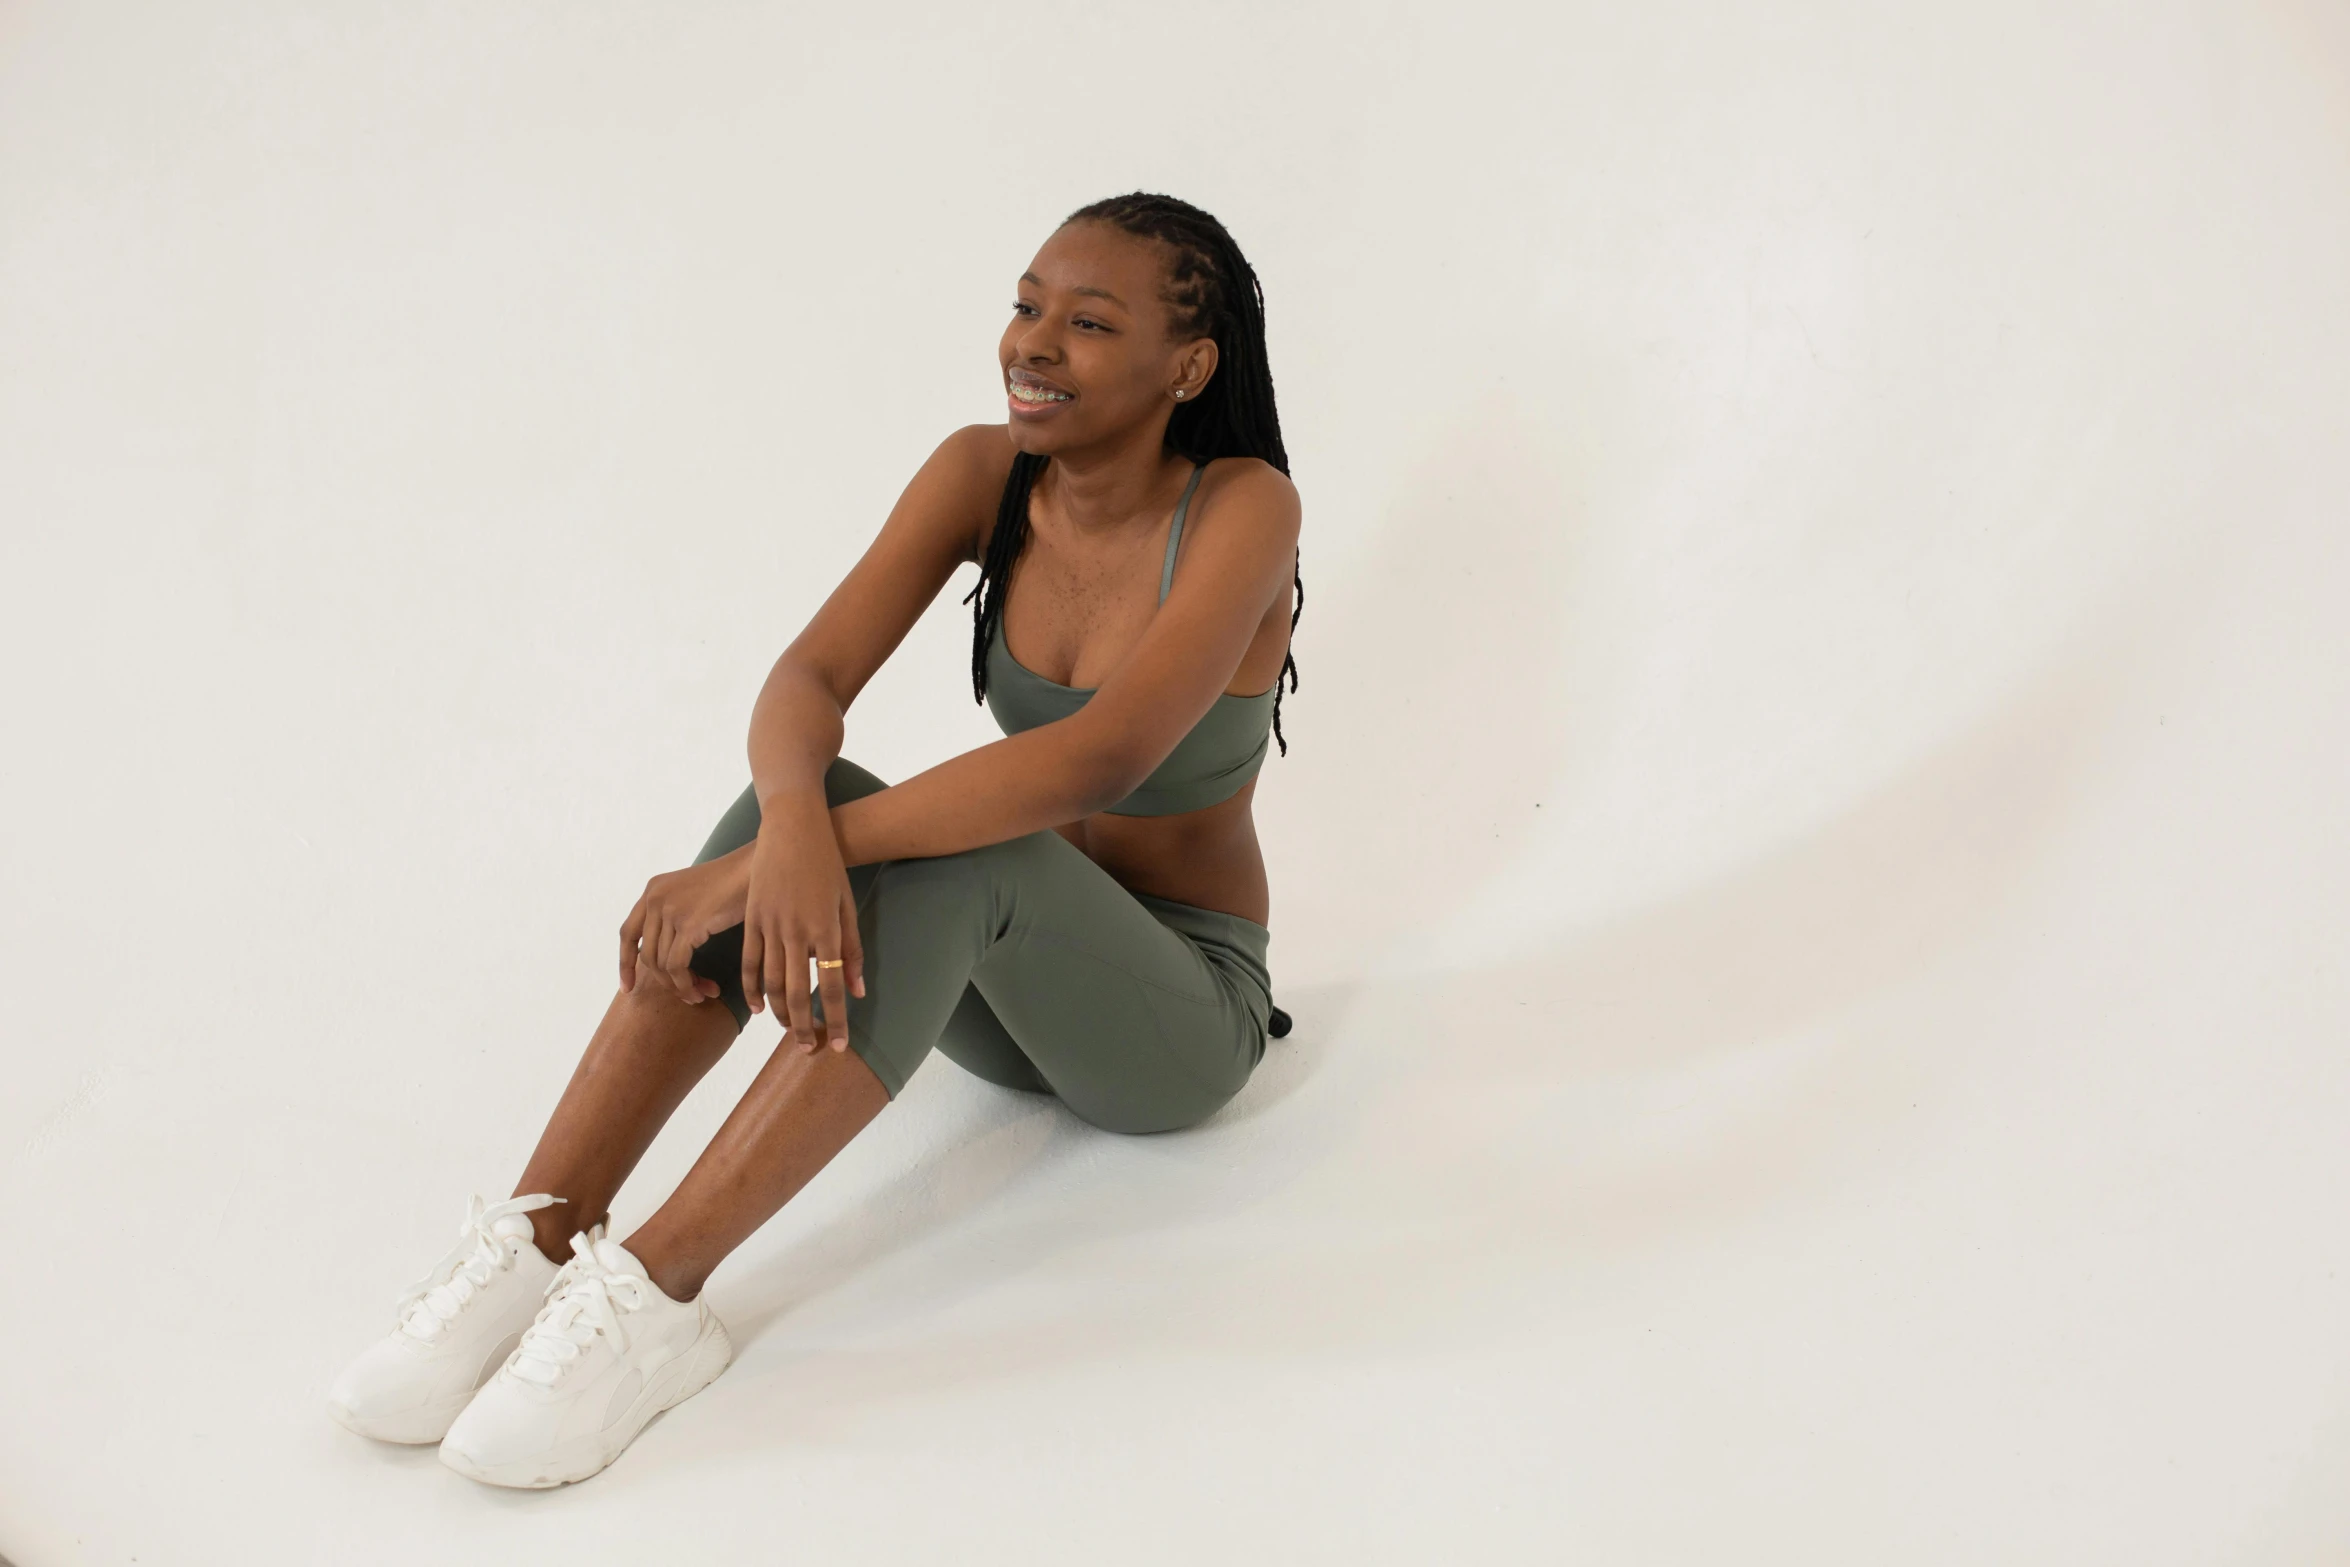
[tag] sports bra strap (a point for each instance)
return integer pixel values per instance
(1175, 531)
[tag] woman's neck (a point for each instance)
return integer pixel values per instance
(1101, 491)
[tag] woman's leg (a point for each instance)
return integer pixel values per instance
(1140, 1015)
(973, 1037)
(644, 1058)
(1027, 956)
(1029, 965)
(800, 1110)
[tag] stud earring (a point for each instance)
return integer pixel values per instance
(1179, 391)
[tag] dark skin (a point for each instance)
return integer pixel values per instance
(1088, 321)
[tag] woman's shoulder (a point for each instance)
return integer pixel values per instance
(975, 460)
(984, 453)
(1251, 485)
(981, 456)
(1252, 471)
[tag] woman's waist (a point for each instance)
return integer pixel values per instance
(1201, 874)
(1213, 865)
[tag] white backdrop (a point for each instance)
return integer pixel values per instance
(1811, 869)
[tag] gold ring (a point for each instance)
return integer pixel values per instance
(830, 962)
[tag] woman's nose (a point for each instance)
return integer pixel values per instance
(1039, 339)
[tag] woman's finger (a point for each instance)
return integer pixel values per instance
(660, 937)
(677, 956)
(629, 929)
(702, 986)
(852, 945)
(830, 965)
(796, 993)
(754, 962)
(774, 980)
(648, 946)
(699, 987)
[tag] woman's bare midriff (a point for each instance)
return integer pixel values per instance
(1208, 858)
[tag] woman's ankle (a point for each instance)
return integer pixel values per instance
(552, 1228)
(676, 1272)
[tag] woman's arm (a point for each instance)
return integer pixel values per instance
(1042, 777)
(797, 722)
(797, 905)
(1235, 563)
(1016, 786)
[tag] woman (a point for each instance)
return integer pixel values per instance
(1076, 909)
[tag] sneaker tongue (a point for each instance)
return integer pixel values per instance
(514, 1227)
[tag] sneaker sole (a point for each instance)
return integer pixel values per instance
(588, 1455)
(425, 1426)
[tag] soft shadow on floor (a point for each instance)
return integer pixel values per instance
(1014, 1141)
(1010, 1137)
(1746, 974)
(1316, 1011)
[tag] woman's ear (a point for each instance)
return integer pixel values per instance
(1195, 364)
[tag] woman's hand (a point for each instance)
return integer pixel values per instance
(799, 907)
(678, 912)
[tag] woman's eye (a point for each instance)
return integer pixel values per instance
(1022, 307)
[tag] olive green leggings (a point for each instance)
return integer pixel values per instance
(1025, 963)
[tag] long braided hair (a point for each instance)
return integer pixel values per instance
(1214, 293)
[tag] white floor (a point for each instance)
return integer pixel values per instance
(1812, 872)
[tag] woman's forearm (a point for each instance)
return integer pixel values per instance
(796, 730)
(1024, 783)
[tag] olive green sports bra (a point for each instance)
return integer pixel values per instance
(1210, 764)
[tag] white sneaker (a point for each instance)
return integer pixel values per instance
(454, 1327)
(607, 1353)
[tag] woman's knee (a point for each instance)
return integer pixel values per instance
(844, 781)
(656, 992)
(720, 961)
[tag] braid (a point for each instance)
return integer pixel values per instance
(1214, 293)
(995, 572)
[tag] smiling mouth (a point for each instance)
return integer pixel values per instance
(1037, 395)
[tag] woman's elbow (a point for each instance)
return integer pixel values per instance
(1106, 771)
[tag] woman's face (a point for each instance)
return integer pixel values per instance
(1087, 357)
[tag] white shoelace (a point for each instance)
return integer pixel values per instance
(589, 1298)
(440, 1295)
